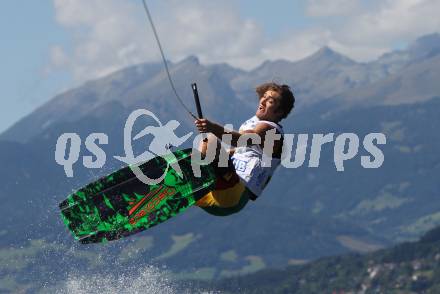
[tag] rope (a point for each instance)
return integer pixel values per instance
(147, 11)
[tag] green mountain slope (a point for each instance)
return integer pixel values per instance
(406, 268)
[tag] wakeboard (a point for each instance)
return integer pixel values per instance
(119, 205)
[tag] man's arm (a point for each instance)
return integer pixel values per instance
(206, 126)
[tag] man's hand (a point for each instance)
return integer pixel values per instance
(204, 125)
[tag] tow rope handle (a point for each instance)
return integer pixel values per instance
(197, 101)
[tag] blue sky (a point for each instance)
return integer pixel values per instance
(28, 29)
(53, 45)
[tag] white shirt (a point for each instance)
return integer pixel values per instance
(248, 160)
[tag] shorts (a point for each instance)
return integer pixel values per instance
(230, 196)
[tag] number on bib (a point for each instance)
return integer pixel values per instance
(240, 165)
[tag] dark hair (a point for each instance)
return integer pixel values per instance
(287, 98)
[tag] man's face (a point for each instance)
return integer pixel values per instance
(269, 106)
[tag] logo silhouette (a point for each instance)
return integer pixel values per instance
(163, 137)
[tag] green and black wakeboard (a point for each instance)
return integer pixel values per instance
(120, 205)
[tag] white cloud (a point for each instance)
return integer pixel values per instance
(392, 21)
(214, 31)
(106, 36)
(111, 34)
(365, 31)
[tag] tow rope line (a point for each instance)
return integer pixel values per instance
(147, 11)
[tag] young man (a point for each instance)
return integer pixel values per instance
(248, 171)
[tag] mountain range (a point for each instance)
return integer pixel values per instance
(394, 78)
